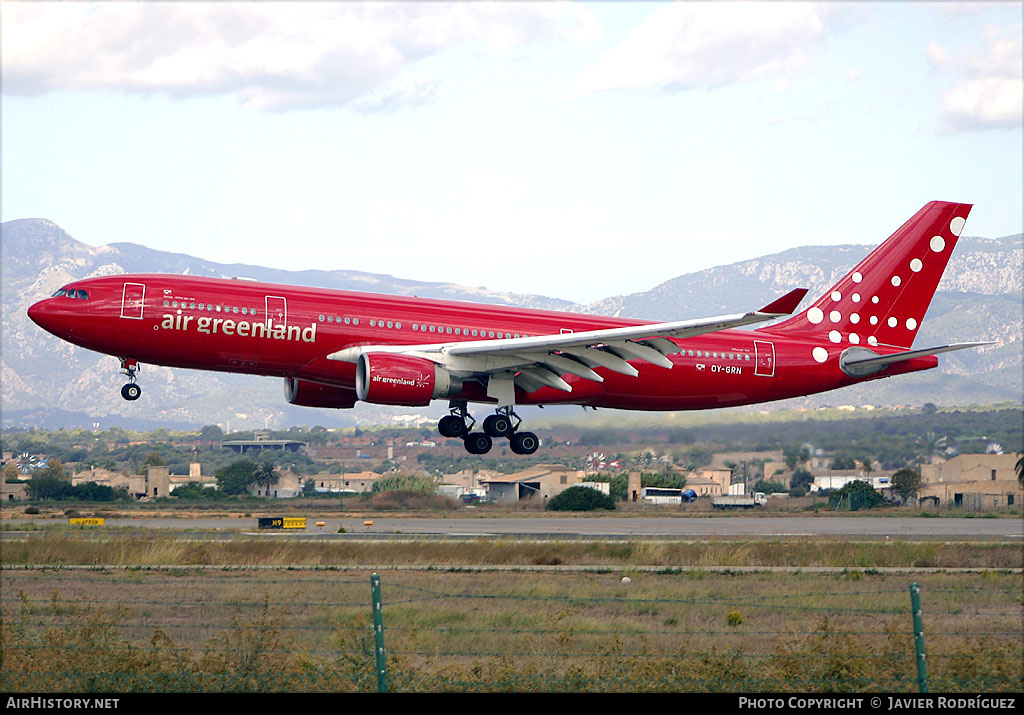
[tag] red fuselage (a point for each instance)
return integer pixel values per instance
(287, 331)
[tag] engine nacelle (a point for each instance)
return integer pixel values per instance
(389, 379)
(312, 394)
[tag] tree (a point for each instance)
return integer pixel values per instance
(11, 473)
(770, 487)
(264, 475)
(581, 499)
(42, 487)
(404, 483)
(53, 469)
(858, 494)
(211, 434)
(236, 477)
(801, 479)
(905, 484)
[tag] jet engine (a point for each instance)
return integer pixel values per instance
(312, 394)
(390, 379)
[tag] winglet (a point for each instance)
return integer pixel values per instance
(786, 304)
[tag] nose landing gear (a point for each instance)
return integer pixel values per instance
(130, 391)
(503, 424)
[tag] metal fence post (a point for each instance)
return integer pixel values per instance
(922, 667)
(378, 634)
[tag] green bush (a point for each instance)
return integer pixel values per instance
(581, 499)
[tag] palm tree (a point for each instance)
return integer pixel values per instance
(930, 444)
(1020, 469)
(265, 475)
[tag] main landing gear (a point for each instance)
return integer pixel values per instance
(504, 423)
(130, 391)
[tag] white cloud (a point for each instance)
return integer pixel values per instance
(688, 45)
(269, 55)
(991, 95)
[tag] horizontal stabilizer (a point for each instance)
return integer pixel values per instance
(864, 362)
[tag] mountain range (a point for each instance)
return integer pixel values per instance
(50, 383)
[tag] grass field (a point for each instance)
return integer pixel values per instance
(259, 615)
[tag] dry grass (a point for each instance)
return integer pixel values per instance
(266, 630)
(147, 549)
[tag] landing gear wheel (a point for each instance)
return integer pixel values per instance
(524, 443)
(498, 426)
(131, 391)
(452, 426)
(478, 443)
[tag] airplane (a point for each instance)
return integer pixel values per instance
(334, 348)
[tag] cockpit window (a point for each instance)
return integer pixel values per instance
(76, 294)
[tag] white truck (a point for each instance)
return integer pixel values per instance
(739, 502)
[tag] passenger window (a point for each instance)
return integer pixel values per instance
(391, 324)
(355, 321)
(373, 323)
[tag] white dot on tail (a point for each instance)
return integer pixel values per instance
(957, 225)
(815, 315)
(857, 277)
(856, 297)
(835, 316)
(874, 320)
(854, 318)
(820, 354)
(874, 299)
(835, 337)
(916, 265)
(854, 338)
(892, 322)
(937, 244)
(837, 296)
(872, 340)
(896, 280)
(911, 324)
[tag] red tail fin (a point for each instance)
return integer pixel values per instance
(883, 300)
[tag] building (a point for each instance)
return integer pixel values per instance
(839, 478)
(972, 481)
(534, 485)
(13, 492)
(288, 486)
(360, 482)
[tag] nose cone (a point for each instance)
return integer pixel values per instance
(36, 312)
(49, 317)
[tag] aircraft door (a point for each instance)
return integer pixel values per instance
(764, 358)
(133, 298)
(277, 310)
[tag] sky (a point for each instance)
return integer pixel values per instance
(578, 151)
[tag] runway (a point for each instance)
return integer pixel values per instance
(608, 527)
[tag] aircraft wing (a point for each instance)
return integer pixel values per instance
(541, 360)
